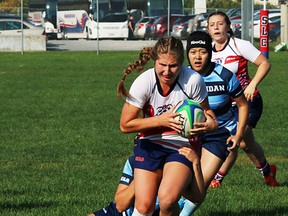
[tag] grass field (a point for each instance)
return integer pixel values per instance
(62, 153)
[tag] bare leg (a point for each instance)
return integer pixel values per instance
(255, 153)
(146, 187)
(176, 177)
(253, 149)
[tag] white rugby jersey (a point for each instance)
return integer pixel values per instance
(235, 56)
(146, 96)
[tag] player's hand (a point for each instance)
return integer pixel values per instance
(190, 154)
(233, 142)
(249, 91)
(209, 125)
(167, 119)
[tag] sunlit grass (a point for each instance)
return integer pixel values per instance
(62, 153)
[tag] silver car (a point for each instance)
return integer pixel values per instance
(180, 25)
(141, 26)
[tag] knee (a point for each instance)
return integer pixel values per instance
(167, 200)
(137, 212)
(143, 209)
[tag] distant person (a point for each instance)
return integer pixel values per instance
(131, 26)
(159, 169)
(234, 54)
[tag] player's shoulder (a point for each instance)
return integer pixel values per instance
(189, 74)
(146, 79)
(240, 43)
(147, 75)
(223, 72)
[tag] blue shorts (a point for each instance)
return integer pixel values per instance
(255, 110)
(215, 142)
(151, 156)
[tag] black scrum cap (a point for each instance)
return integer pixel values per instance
(199, 39)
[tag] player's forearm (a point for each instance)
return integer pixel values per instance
(242, 119)
(261, 73)
(199, 179)
(124, 198)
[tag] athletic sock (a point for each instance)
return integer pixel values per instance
(219, 176)
(264, 168)
(189, 208)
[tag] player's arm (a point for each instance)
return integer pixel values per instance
(263, 68)
(130, 122)
(243, 112)
(192, 156)
(124, 196)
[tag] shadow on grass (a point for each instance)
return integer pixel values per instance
(26, 205)
(274, 211)
(20, 205)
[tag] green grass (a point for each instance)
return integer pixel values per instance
(62, 153)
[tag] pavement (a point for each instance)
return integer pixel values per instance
(104, 45)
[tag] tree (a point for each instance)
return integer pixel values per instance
(226, 4)
(11, 6)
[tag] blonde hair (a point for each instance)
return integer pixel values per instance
(166, 45)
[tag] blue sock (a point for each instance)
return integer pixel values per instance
(189, 208)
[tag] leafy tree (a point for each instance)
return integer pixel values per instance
(11, 6)
(223, 4)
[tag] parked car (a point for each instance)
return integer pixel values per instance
(233, 12)
(274, 29)
(50, 31)
(160, 26)
(34, 38)
(184, 32)
(141, 26)
(235, 24)
(202, 25)
(148, 31)
(255, 14)
(10, 24)
(179, 25)
(194, 23)
(257, 23)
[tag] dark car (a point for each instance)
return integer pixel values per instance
(234, 13)
(274, 28)
(160, 26)
(148, 31)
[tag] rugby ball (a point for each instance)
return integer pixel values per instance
(190, 113)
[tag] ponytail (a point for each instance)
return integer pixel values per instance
(138, 65)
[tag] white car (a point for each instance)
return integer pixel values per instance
(11, 35)
(50, 30)
(11, 25)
